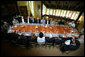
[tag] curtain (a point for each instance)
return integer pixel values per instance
(31, 4)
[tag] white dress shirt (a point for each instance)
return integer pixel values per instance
(72, 24)
(28, 20)
(15, 22)
(68, 42)
(23, 21)
(47, 21)
(41, 40)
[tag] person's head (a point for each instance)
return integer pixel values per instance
(5, 22)
(72, 21)
(40, 34)
(14, 19)
(37, 18)
(81, 36)
(43, 17)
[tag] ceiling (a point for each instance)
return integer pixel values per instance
(66, 5)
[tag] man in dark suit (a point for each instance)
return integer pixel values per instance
(61, 22)
(47, 21)
(25, 20)
(37, 20)
(30, 20)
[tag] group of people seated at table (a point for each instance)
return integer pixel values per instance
(72, 23)
(41, 21)
(68, 44)
(65, 43)
(71, 43)
(31, 20)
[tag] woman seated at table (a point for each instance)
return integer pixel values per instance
(65, 46)
(41, 38)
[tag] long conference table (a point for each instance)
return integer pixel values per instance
(55, 30)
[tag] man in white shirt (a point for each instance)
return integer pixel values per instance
(43, 21)
(23, 20)
(15, 22)
(41, 39)
(28, 19)
(47, 21)
(67, 42)
(72, 24)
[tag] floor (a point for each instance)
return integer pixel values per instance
(7, 50)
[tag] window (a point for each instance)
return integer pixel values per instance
(67, 15)
(57, 12)
(44, 10)
(70, 14)
(61, 13)
(47, 11)
(76, 15)
(54, 12)
(73, 15)
(50, 11)
(64, 13)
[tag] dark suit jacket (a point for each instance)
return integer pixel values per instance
(30, 20)
(48, 22)
(25, 20)
(61, 22)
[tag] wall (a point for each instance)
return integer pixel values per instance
(24, 3)
(81, 19)
(37, 10)
(37, 13)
